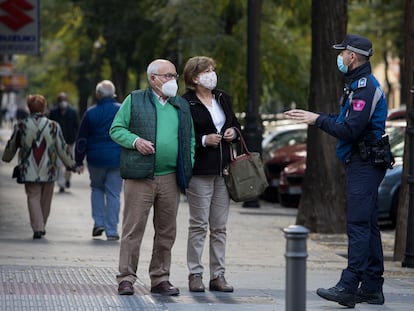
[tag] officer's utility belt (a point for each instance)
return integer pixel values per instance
(379, 152)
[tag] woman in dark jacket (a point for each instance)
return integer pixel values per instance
(208, 198)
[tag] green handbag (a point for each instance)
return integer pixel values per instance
(245, 179)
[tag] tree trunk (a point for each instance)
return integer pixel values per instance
(406, 98)
(322, 206)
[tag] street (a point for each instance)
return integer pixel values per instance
(68, 270)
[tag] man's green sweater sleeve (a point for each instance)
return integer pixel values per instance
(119, 131)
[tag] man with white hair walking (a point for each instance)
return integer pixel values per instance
(103, 157)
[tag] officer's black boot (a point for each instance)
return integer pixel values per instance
(374, 298)
(339, 295)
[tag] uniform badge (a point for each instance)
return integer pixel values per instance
(362, 82)
(358, 104)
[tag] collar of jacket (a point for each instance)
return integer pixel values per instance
(359, 72)
(192, 98)
(106, 100)
(172, 100)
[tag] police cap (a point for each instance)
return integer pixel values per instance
(355, 43)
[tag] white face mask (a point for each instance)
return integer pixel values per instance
(170, 88)
(63, 104)
(208, 80)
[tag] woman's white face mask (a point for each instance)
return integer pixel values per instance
(208, 80)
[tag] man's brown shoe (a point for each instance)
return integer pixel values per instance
(125, 288)
(195, 283)
(219, 284)
(165, 288)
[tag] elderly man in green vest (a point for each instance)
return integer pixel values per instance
(155, 129)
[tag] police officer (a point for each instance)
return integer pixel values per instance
(359, 128)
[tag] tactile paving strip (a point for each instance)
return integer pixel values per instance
(66, 288)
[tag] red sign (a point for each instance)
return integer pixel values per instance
(19, 27)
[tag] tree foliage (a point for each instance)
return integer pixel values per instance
(88, 40)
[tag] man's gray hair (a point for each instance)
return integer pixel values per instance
(153, 68)
(155, 65)
(105, 89)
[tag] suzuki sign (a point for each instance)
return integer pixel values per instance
(19, 27)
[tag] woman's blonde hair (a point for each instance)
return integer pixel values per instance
(193, 67)
(36, 103)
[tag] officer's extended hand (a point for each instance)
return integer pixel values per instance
(302, 116)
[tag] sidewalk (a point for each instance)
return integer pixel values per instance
(68, 270)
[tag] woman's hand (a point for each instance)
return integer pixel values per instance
(213, 140)
(229, 134)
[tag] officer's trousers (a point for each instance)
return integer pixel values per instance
(365, 257)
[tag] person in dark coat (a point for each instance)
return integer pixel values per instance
(208, 198)
(103, 157)
(68, 119)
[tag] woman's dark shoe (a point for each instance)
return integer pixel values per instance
(37, 235)
(220, 284)
(125, 288)
(43, 232)
(195, 283)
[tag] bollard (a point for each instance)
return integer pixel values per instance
(296, 254)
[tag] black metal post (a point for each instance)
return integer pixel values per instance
(252, 131)
(409, 250)
(296, 254)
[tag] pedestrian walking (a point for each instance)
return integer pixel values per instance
(40, 143)
(208, 198)
(68, 119)
(155, 129)
(103, 158)
(359, 127)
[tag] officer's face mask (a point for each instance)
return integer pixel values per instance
(341, 66)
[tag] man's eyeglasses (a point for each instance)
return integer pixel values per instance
(168, 76)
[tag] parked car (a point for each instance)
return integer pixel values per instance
(283, 135)
(388, 193)
(292, 175)
(397, 113)
(290, 183)
(274, 162)
(389, 189)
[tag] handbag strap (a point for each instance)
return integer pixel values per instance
(244, 148)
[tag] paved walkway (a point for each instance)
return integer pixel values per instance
(68, 270)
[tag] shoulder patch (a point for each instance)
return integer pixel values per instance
(362, 82)
(358, 104)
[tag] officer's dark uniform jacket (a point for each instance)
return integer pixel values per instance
(143, 120)
(211, 161)
(362, 115)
